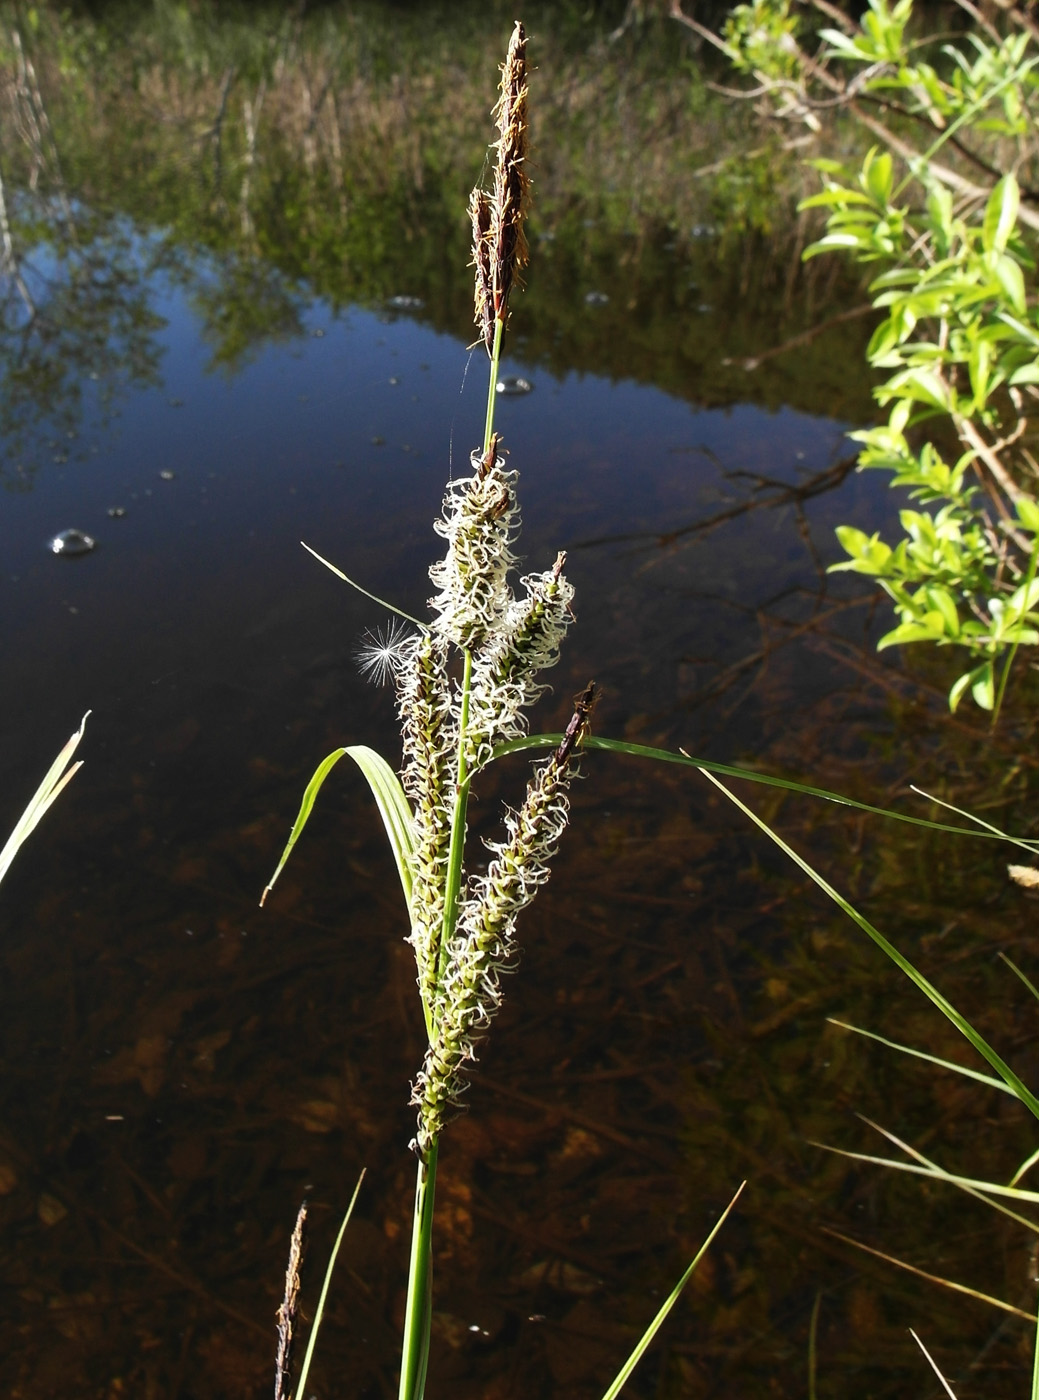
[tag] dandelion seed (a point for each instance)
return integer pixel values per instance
(381, 654)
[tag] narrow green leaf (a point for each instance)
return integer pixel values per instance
(1027, 981)
(941, 1174)
(654, 1327)
(1026, 1166)
(988, 1079)
(389, 797)
(932, 1278)
(306, 807)
(56, 779)
(390, 607)
(946, 1007)
(728, 770)
(300, 1387)
(393, 808)
(983, 1188)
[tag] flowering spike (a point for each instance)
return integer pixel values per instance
(511, 183)
(430, 732)
(483, 296)
(484, 946)
(479, 523)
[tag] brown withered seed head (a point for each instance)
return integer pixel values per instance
(480, 215)
(508, 252)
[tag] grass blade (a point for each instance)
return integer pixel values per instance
(654, 1327)
(1026, 1166)
(933, 1278)
(977, 1189)
(986, 1079)
(320, 1313)
(931, 1362)
(393, 808)
(1018, 973)
(56, 779)
(373, 596)
(946, 1007)
(1026, 843)
(728, 770)
(389, 797)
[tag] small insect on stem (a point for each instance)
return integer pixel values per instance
(583, 706)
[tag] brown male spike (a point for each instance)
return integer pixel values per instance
(480, 214)
(508, 251)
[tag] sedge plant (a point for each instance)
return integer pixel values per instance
(465, 680)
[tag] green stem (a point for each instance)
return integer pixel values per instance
(492, 387)
(419, 1311)
(456, 851)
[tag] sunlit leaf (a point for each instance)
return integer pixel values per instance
(389, 797)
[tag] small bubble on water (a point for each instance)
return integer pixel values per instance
(405, 303)
(512, 385)
(71, 543)
(595, 298)
(116, 512)
(167, 475)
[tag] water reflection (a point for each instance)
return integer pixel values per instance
(178, 1069)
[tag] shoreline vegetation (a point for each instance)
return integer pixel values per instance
(268, 162)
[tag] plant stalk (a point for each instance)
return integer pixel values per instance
(419, 1311)
(456, 852)
(492, 387)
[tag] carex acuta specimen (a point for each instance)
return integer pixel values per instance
(465, 680)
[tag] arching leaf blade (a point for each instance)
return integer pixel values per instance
(393, 808)
(389, 797)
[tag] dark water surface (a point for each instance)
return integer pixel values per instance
(180, 1069)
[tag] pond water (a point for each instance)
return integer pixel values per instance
(198, 374)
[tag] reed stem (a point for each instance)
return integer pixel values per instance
(492, 388)
(418, 1313)
(456, 851)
